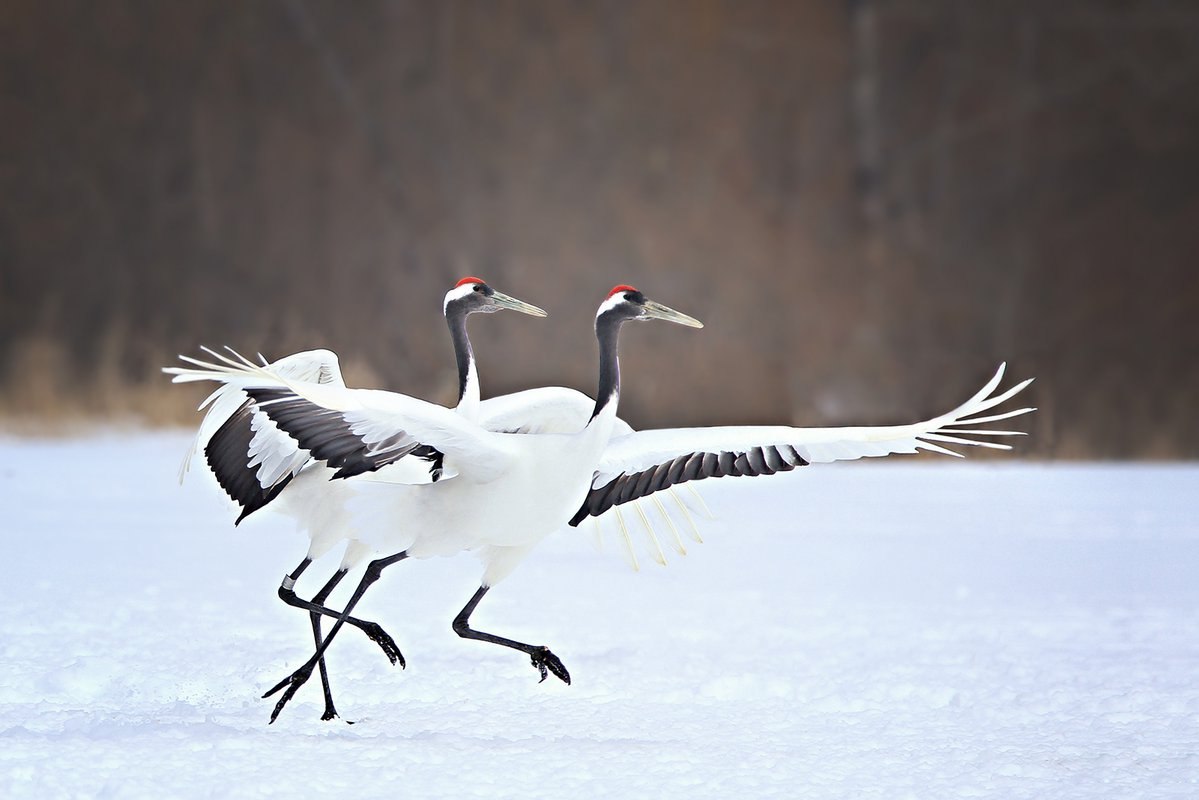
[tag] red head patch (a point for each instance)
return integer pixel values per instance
(467, 280)
(624, 287)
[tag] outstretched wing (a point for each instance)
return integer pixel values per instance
(639, 464)
(355, 430)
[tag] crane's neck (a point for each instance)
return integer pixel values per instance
(468, 375)
(607, 394)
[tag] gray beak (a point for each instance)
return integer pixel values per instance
(658, 311)
(505, 301)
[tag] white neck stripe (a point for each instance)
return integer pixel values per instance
(611, 303)
(457, 293)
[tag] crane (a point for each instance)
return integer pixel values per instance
(257, 464)
(510, 491)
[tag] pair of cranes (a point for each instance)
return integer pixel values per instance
(494, 476)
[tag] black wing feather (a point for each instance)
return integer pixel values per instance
(765, 460)
(228, 456)
(326, 434)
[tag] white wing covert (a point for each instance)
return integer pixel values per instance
(549, 409)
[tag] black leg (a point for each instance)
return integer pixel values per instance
(319, 599)
(287, 594)
(297, 679)
(316, 607)
(541, 656)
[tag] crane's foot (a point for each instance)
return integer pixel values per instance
(330, 714)
(292, 684)
(546, 662)
(375, 632)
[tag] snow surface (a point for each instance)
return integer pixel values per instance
(910, 628)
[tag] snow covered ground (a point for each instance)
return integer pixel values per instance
(910, 628)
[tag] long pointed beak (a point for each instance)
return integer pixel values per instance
(658, 311)
(506, 301)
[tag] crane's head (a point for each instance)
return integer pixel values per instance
(626, 303)
(471, 295)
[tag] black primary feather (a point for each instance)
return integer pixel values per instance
(327, 435)
(626, 487)
(228, 456)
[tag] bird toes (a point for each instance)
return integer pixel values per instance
(546, 662)
(292, 684)
(277, 687)
(291, 690)
(380, 637)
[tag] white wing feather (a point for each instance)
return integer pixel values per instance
(641, 450)
(373, 415)
(271, 449)
(548, 409)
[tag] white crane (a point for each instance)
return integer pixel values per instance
(507, 492)
(258, 465)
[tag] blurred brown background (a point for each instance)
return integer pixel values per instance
(869, 203)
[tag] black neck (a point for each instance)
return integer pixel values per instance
(607, 331)
(463, 353)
